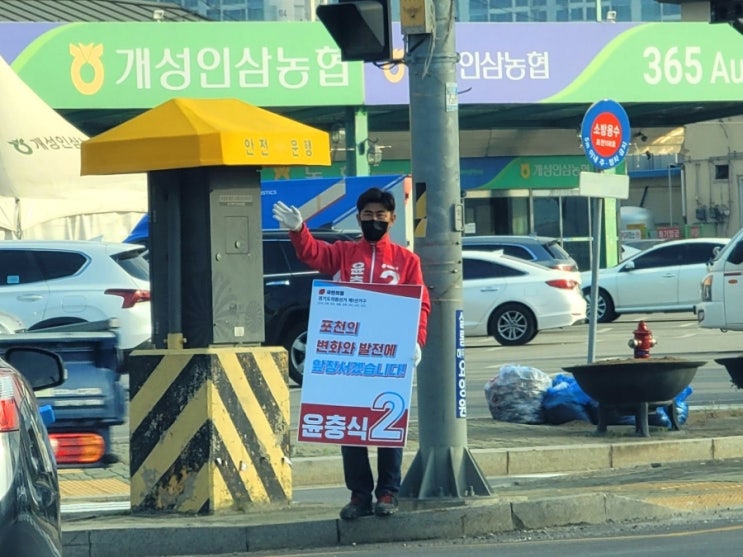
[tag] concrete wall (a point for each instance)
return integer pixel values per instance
(712, 197)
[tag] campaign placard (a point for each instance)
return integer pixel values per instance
(359, 365)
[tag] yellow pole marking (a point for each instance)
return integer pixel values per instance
(199, 492)
(253, 410)
(155, 386)
(171, 445)
(234, 443)
(275, 378)
(221, 495)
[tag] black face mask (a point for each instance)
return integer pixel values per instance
(373, 230)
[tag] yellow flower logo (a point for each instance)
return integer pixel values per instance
(87, 55)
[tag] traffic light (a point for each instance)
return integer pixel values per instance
(362, 29)
(725, 11)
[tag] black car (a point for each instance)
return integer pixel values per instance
(287, 291)
(29, 488)
(538, 249)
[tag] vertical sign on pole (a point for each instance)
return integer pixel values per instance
(605, 133)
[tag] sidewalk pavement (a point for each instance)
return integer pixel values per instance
(542, 476)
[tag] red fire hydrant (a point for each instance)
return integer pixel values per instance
(642, 341)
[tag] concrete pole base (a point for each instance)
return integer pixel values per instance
(209, 430)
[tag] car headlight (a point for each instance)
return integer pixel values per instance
(707, 289)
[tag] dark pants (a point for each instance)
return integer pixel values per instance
(358, 474)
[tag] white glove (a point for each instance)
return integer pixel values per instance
(289, 217)
(418, 354)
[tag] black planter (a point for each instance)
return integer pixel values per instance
(632, 386)
(735, 369)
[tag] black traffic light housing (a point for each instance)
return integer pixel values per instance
(362, 29)
(725, 11)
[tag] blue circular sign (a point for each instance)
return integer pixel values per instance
(605, 134)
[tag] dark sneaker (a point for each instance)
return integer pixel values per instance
(356, 508)
(386, 505)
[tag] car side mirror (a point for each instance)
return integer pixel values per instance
(629, 266)
(736, 256)
(41, 368)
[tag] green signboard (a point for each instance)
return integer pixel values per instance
(140, 65)
(668, 62)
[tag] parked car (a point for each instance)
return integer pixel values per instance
(512, 299)
(287, 290)
(538, 249)
(10, 324)
(49, 283)
(29, 488)
(721, 305)
(662, 278)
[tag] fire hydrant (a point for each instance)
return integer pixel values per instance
(642, 341)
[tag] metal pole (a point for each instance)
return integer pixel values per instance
(598, 210)
(670, 197)
(682, 168)
(443, 466)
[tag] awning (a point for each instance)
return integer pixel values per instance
(187, 133)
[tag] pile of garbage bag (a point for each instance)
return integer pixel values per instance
(527, 395)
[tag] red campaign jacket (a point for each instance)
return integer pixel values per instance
(359, 261)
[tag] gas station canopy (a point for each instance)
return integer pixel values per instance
(188, 133)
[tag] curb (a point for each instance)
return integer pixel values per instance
(301, 526)
(475, 518)
(326, 470)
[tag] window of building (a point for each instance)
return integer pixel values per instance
(650, 11)
(500, 5)
(234, 15)
(722, 172)
(256, 14)
(501, 16)
(670, 12)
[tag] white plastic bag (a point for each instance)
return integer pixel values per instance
(515, 394)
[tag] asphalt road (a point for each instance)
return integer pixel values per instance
(681, 539)
(676, 334)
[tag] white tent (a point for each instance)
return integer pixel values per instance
(42, 194)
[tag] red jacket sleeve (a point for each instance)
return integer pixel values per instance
(319, 255)
(416, 277)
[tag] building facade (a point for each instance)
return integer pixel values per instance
(467, 10)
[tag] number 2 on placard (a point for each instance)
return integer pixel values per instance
(394, 407)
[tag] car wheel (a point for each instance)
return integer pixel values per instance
(513, 325)
(605, 312)
(295, 342)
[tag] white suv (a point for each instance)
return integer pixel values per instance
(50, 283)
(722, 289)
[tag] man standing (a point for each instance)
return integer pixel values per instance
(373, 259)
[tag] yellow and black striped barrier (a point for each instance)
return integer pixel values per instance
(209, 429)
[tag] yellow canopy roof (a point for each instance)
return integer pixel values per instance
(187, 133)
